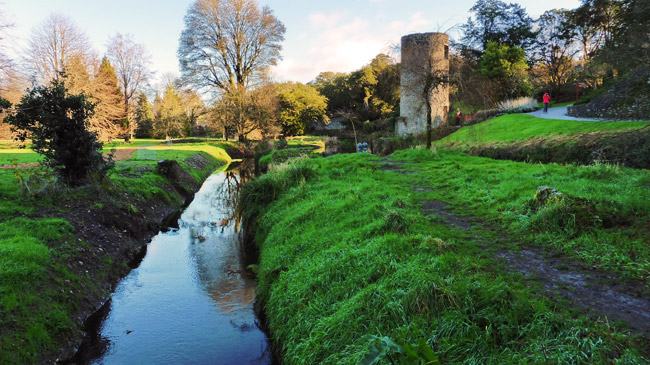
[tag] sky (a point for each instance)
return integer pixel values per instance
(332, 35)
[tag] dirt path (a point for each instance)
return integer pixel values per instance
(121, 154)
(598, 294)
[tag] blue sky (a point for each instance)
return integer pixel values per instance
(333, 35)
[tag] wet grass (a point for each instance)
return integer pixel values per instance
(347, 254)
(38, 293)
(517, 127)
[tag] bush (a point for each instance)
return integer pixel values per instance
(57, 124)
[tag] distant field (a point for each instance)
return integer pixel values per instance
(147, 149)
(21, 156)
(515, 127)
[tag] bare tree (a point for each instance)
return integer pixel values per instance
(6, 63)
(131, 62)
(54, 44)
(554, 50)
(226, 43)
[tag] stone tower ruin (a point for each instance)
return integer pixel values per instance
(424, 82)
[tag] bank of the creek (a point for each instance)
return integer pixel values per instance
(191, 298)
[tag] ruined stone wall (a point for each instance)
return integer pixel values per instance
(425, 65)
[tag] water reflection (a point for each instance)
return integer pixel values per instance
(191, 299)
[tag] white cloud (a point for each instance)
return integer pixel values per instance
(343, 43)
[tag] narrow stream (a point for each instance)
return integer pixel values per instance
(190, 301)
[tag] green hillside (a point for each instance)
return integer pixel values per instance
(360, 256)
(518, 127)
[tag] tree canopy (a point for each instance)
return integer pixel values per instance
(300, 104)
(496, 21)
(226, 43)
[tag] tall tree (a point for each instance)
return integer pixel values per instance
(195, 109)
(131, 62)
(77, 78)
(554, 49)
(53, 44)
(226, 43)
(143, 117)
(109, 111)
(335, 87)
(7, 67)
(507, 65)
(496, 21)
(171, 121)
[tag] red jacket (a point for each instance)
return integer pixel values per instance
(547, 98)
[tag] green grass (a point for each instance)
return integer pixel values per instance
(33, 308)
(516, 127)
(38, 295)
(21, 156)
(347, 253)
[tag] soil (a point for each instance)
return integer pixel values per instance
(597, 294)
(117, 228)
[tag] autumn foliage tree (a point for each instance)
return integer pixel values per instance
(109, 111)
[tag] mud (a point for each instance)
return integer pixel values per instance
(436, 207)
(391, 165)
(596, 293)
(591, 291)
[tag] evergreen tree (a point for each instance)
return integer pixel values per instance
(77, 78)
(57, 124)
(506, 65)
(143, 117)
(172, 119)
(109, 111)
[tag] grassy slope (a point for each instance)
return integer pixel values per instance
(515, 127)
(38, 294)
(350, 254)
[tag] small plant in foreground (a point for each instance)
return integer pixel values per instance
(36, 181)
(402, 352)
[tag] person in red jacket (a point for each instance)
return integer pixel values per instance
(547, 99)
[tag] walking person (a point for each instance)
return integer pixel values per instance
(547, 99)
(459, 116)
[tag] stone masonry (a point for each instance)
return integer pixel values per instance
(425, 65)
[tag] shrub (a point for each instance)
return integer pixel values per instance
(57, 124)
